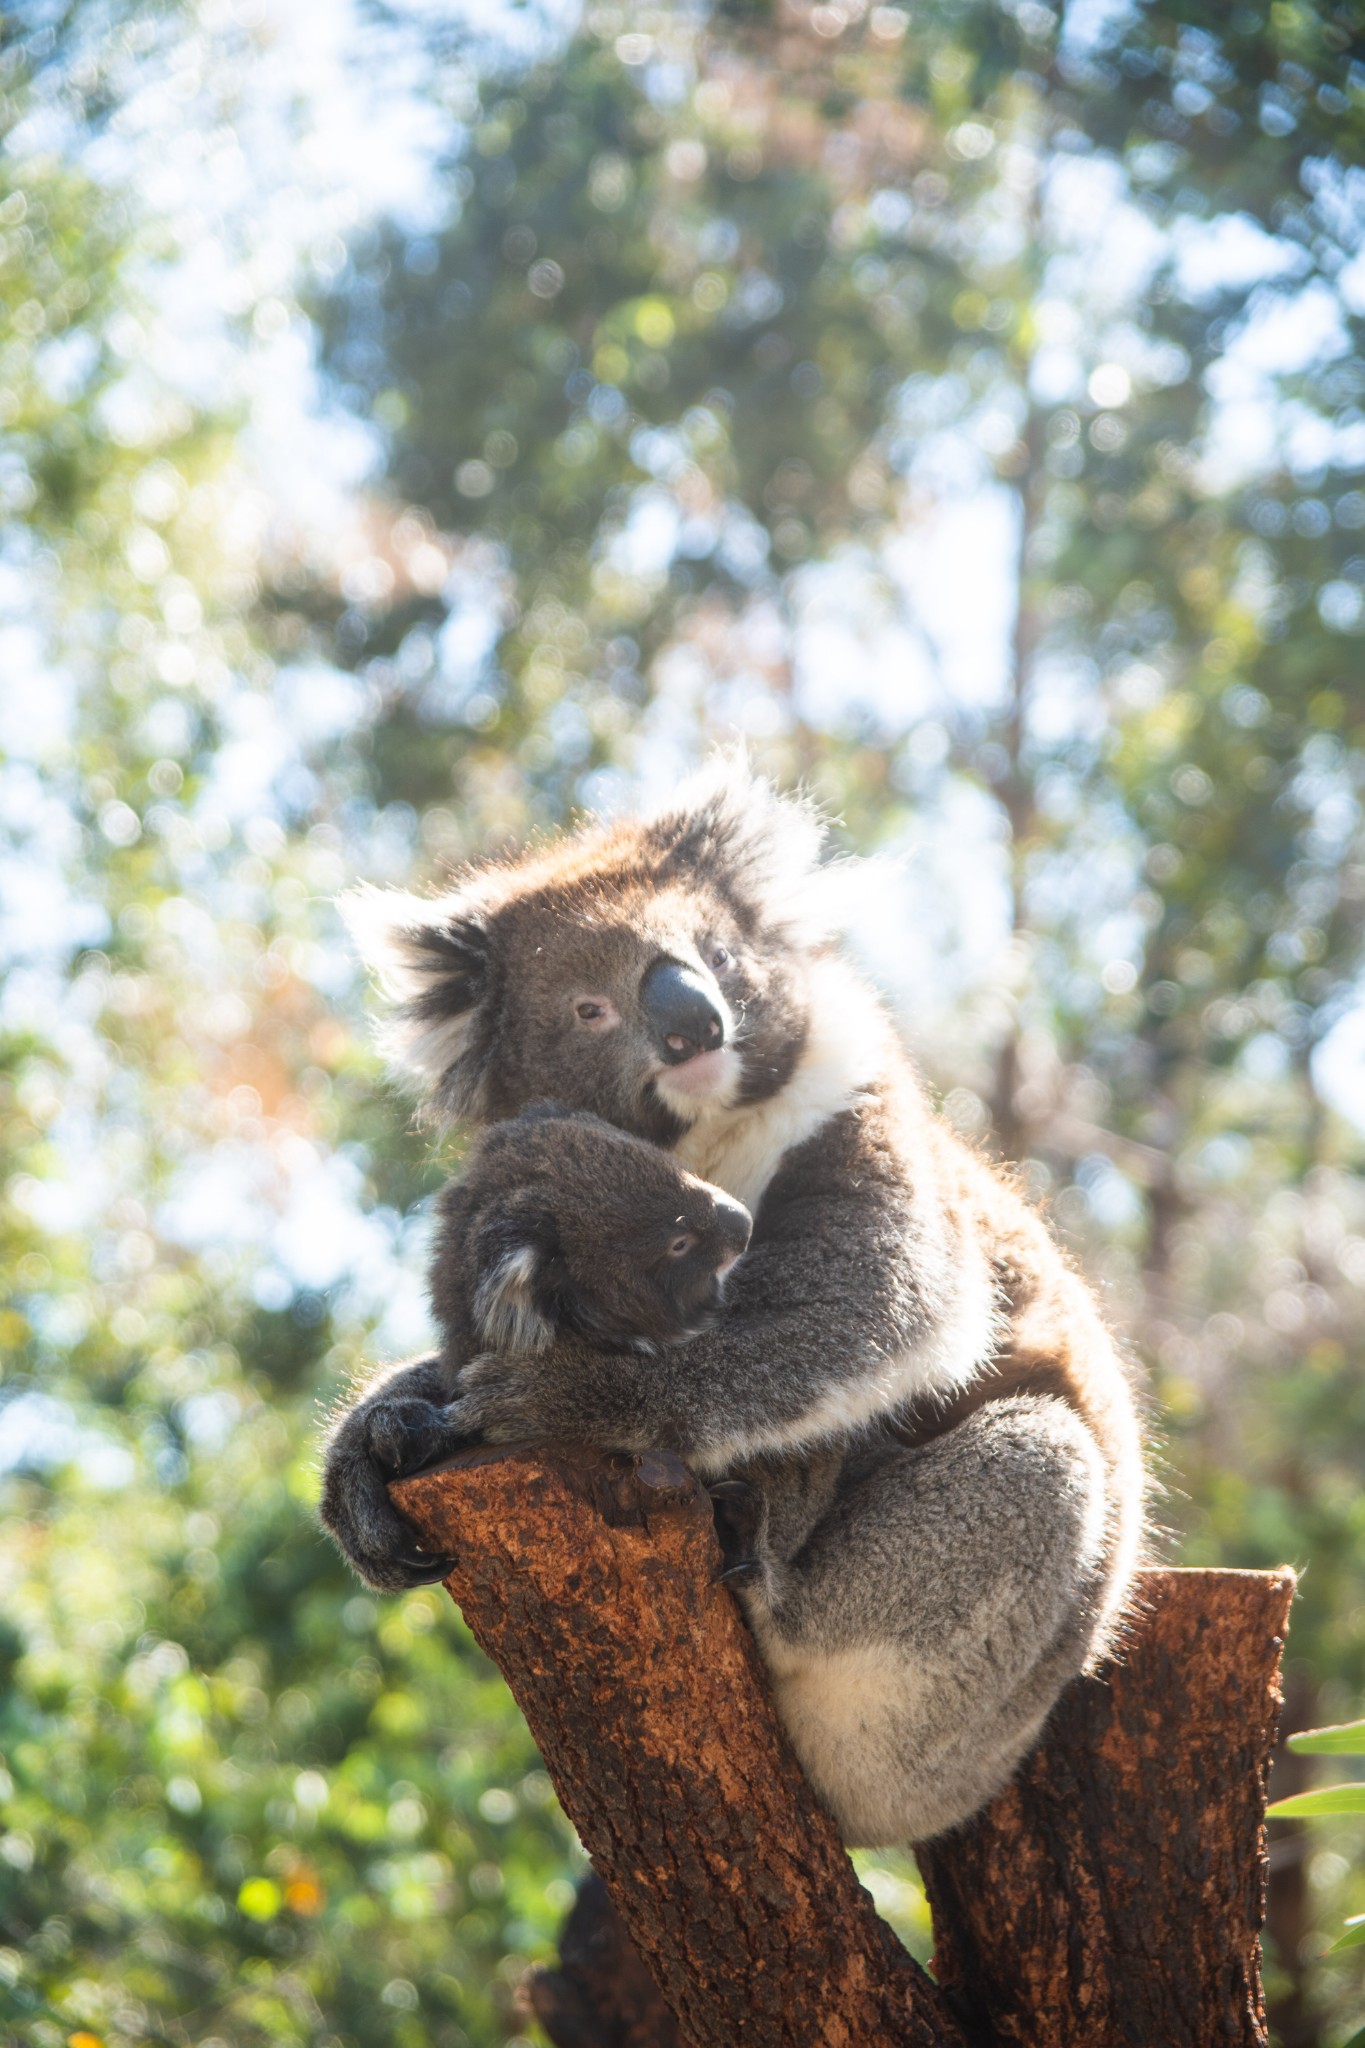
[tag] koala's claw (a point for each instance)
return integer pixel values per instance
(423, 1567)
(740, 1515)
(742, 1572)
(377, 1542)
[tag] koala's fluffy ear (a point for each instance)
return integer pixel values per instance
(432, 959)
(763, 847)
(504, 1306)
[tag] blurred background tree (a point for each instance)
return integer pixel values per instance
(423, 425)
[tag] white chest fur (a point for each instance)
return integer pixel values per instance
(741, 1149)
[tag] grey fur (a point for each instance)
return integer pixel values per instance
(930, 1483)
(916, 1649)
(559, 1224)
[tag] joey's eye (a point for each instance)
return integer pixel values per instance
(681, 1245)
(589, 1012)
(718, 958)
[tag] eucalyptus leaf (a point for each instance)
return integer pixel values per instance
(1326, 1799)
(1347, 1738)
(1354, 1937)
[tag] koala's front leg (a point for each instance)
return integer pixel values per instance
(400, 1424)
(567, 1392)
(920, 1635)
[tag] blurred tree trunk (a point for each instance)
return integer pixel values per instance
(1113, 1894)
(1294, 2012)
(601, 1996)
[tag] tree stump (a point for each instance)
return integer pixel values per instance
(1112, 1896)
(1114, 1893)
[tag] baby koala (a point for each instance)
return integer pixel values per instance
(560, 1226)
(563, 1225)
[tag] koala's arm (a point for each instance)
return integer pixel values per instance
(859, 1289)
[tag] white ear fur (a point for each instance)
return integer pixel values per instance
(381, 922)
(388, 926)
(768, 842)
(504, 1308)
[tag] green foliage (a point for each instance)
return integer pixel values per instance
(710, 330)
(1353, 1937)
(1346, 1740)
(1326, 1799)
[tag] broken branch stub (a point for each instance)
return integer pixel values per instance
(1113, 1895)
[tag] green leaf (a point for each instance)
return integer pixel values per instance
(1357, 2039)
(1354, 1937)
(1346, 1739)
(1326, 1799)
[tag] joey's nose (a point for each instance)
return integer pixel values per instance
(733, 1222)
(682, 1015)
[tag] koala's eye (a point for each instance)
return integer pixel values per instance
(718, 958)
(596, 1013)
(681, 1245)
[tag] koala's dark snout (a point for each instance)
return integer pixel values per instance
(681, 1011)
(733, 1226)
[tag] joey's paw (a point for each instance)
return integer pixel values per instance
(405, 1436)
(379, 1441)
(741, 1517)
(497, 1402)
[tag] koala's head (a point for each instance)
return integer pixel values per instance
(561, 1223)
(650, 972)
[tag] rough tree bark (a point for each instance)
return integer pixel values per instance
(592, 1582)
(1112, 1896)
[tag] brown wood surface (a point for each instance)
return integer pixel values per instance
(592, 1583)
(1113, 1896)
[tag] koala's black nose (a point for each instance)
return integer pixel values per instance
(681, 1012)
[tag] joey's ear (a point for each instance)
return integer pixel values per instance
(505, 1311)
(432, 957)
(762, 847)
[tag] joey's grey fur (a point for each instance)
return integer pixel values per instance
(560, 1224)
(916, 1424)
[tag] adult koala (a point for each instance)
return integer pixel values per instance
(925, 1445)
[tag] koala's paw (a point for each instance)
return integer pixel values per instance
(405, 1436)
(741, 1517)
(497, 1402)
(377, 1442)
